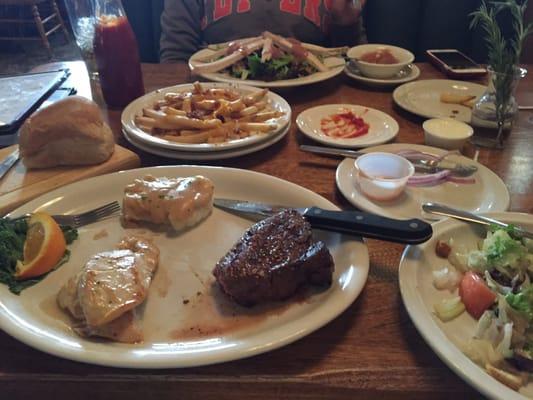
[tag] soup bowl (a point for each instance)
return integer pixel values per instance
(375, 69)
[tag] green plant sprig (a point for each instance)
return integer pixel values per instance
(503, 55)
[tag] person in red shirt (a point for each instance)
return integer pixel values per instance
(188, 25)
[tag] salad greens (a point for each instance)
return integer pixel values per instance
(523, 303)
(501, 252)
(503, 339)
(286, 66)
(12, 237)
(501, 249)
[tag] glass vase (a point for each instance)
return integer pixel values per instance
(495, 111)
(82, 18)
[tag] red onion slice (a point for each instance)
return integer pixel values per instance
(429, 179)
(432, 179)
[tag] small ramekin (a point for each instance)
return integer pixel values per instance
(382, 176)
(446, 133)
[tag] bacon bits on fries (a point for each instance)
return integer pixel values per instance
(214, 115)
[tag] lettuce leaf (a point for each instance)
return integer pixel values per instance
(274, 69)
(501, 249)
(522, 302)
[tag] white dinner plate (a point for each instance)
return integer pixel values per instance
(408, 74)
(423, 98)
(206, 156)
(448, 339)
(187, 321)
(487, 194)
(135, 108)
(336, 65)
(382, 126)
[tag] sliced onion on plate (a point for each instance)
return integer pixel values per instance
(432, 179)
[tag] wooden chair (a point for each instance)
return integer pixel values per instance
(55, 17)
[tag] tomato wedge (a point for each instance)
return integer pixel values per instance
(475, 294)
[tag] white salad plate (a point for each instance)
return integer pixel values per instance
(423, 98)
(207, 156)
(408, 74)
(382, 126)
(336, 65)
(135, 108)
(187, 320)
(449, 339)
(487, 194)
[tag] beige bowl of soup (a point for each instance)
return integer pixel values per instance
(380, 61)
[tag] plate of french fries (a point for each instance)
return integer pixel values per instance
(205, 117)
(208, 155)
(439, 98)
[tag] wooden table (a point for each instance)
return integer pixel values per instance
(372, 350)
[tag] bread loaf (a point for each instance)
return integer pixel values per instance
(71, 131)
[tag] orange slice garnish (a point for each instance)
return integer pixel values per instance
(44, 246)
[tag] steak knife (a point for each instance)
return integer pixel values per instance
(412, 231)
(8, 162)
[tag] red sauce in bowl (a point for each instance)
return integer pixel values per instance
(380, 56)
(344, 125)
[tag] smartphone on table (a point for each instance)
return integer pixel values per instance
(455, 64)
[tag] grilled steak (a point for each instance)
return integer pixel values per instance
(273, 259)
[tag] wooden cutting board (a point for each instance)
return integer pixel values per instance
(19, 185)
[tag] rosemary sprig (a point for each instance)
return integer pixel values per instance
(503, 55)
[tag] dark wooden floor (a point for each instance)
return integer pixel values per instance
(20, 57)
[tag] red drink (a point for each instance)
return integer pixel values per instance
(117, 58)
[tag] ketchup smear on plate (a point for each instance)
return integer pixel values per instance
(344, 125)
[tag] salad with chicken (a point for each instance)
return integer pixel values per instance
(494, 284)
(268, 57)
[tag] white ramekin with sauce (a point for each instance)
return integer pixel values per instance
(446, 133)
(382, 176)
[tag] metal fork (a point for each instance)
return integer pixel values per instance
(424, 166)
(440, 209)
(86, 218)
(463, 170)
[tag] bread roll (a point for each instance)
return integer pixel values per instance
(69, 132)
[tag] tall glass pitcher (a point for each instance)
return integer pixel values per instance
(117, 55)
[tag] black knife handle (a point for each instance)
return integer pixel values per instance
(412, 231)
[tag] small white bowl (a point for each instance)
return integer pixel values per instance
(380, 71)
(382, 176)
(446, 133)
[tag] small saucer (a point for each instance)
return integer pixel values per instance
(408, 74)
(382, 127)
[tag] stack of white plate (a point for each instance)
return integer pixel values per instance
(204, 151)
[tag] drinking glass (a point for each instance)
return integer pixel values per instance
(82, 16)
